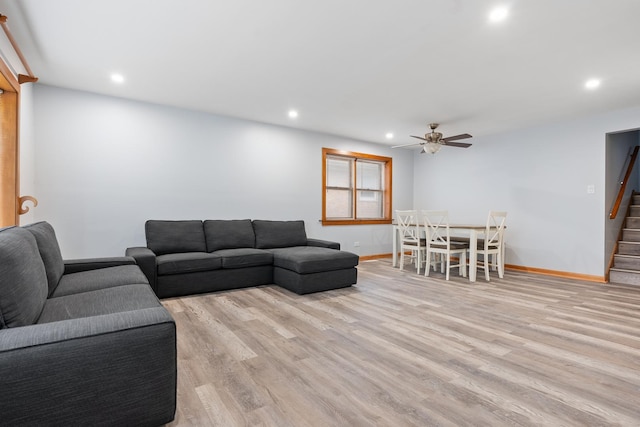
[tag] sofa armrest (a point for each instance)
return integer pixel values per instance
(146, 260)
(85, 264)
(119, 367)
(323, 243)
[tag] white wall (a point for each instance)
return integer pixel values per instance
(105, 165)
(540, 176)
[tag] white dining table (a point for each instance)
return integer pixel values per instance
(471, 230)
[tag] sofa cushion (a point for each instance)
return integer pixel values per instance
(99, 302)
(187, 262)
(244, 257)
(167, 237)
(100, 278)
(49, 251)
(23, 280)
(229, 234)
(279, 234)
(311, 259)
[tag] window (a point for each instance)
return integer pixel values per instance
(356, 188)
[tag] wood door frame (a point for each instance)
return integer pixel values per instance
(9, 147)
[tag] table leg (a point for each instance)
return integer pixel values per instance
(473, 255)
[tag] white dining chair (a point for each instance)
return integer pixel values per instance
(410, 240)
(491, 245)
(438, 241)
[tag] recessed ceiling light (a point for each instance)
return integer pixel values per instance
(498, 14)
(389, 135)
(117, 78)
(293, 114)
(592, 84)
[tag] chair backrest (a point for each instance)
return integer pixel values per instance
(436, 225)
(495, 229)
(408, 225)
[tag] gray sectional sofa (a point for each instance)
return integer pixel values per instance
(193, 256)
(82, 342)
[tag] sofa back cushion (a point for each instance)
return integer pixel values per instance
(279, 234)
(23, 280)
(49, 251)
(229, 234)
(170, 237)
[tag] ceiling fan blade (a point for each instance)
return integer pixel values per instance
(457, 144)
(461, 136)
(407, 145)
(419, 137)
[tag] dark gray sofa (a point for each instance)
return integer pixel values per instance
(190, 257)
(83, 342)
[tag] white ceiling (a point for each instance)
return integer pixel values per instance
(357, 68)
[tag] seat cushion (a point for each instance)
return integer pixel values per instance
(23, 280)
(100, 278)
(311, 259)
(168, 237)
(49, 251)
(187, 262)
(99, 302)
(244, 257)
(279, 234)
(229, 234)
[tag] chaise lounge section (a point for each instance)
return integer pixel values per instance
(192, 256)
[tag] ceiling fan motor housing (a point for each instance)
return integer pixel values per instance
(433, 137)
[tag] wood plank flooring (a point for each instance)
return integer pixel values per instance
(399, 349)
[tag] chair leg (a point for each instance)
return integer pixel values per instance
(448, 267)
(427, 267)
(486, 264)
(418, 260)
(500, 266)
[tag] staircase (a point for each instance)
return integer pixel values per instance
(626, 263)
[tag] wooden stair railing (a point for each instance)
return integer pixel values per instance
(623, 184)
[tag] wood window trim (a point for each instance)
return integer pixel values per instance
(387, 208)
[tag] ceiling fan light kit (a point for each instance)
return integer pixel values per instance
(431, 148)
(433, 141)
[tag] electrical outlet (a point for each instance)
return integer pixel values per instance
(591, 189)
(356, 244)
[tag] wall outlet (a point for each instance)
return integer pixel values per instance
(591, 189)
(356, 244)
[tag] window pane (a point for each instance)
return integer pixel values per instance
(369, 204)
(369, 175)
(338, 172)
(339, 204)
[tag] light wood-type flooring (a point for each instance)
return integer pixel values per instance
(399, 349)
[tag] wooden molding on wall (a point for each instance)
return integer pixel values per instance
(542, 271)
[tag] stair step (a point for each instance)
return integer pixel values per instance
(633, 221)
(636, 199)
(634, 210)
(628, 277)
(631, 234)
(627, 262)
(628, 248)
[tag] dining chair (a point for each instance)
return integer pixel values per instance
(410, 240)
(438, 241)
(492, 243)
